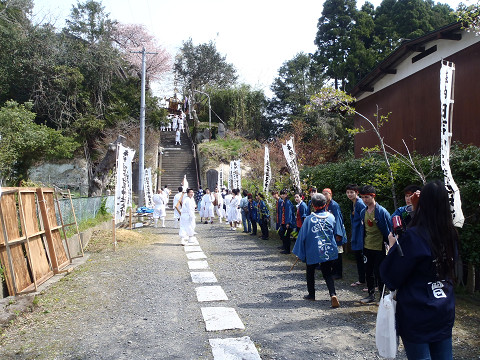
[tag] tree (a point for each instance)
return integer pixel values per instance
(23, 142)
(131, 38)
(298, 79)
(333, 38)
(199, 66)
(89, 22)
(241, 108)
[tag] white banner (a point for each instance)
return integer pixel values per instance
(147, 188)
(291, 157)
(123, 182)
(220, 178)
(267, 171)
(235, 175)
(446, 91)
(230, 176)
(238, 174)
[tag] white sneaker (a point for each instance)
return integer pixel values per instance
(184, 241)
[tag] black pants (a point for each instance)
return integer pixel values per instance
(372, 269)
(326, 268)
(338, 266)
(264, 228)
(285, 237)
(254, 227)
(360, 265)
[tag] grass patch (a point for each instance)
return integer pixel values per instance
(89, 223)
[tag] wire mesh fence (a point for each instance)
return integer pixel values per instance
(85, 208)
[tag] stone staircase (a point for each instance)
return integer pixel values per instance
(177, 161)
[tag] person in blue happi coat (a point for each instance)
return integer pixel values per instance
(252, 213)
(263, 215)
(287, 221)
(340, 233)
(356, 240)
(316, 245)
(423, 273)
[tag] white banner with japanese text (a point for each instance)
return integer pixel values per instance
(267, 171)
(147, 188)
(123, 182)
(291, 157)
(447, 73)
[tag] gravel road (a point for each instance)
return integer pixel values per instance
(139, 302)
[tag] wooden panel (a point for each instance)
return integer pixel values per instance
(22, 275)
(17, 255)
(30, 212)
(38, 256)
(10, 215)
(58, 256)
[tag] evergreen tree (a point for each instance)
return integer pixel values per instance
(333, 38)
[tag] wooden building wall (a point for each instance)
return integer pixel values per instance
(415, 106)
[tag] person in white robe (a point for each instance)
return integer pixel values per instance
(228, 199)
(208, 199)
(159, 201)
(174, 123)
(177, 200)
(233, 215)
(169, 122)
(218, 205)
(187, 219)
(178, 140)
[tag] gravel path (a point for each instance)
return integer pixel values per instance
(140, 303)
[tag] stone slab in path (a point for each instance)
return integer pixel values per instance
(210, 293)
(196, 255)
(192, 248)
(234, 348)
(197, 264)
(203, 277)
(221, 318)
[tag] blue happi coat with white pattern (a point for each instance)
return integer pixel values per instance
(316, 240)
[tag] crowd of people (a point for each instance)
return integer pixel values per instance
(411, 251)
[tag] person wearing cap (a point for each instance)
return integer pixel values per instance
(376, 225)
(316, 245)
(340, 233)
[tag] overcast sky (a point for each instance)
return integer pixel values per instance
(257, 37)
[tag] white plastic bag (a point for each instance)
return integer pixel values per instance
(385, 333)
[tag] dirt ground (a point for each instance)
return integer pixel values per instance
(138, 302)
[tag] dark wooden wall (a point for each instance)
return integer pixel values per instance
(415, 106)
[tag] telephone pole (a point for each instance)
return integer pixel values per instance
(141, 152)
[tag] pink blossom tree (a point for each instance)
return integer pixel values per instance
(130, 38)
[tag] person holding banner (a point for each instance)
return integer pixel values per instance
(287, 221)
(187, 219)
(159, 201)
(177, 205)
